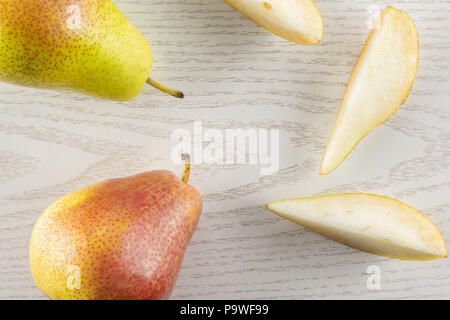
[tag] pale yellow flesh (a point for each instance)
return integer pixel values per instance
(295, 20)
(370, 223)
(380, 83)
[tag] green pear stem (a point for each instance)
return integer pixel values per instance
(163, 88)
(187, 167)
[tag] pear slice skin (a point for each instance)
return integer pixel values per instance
(380, 83)
(294, 20)
(367, 222)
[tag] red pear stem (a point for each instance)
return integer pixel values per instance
(187, 167)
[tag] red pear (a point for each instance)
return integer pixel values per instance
(118, 239)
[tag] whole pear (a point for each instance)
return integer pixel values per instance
(86, 46)
(120, 239)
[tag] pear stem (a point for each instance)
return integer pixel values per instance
(187, 167)
(163, 88)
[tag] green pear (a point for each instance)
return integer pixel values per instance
(86, 46)
(122, 239)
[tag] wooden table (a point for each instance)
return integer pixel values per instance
(236, 75)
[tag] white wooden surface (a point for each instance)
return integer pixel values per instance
(236, 75)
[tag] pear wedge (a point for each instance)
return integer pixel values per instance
(370, 223)
(295, 20)
(380, 83)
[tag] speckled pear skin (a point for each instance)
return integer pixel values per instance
(106, 57)
(127, 237)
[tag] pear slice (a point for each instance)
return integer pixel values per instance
(295, 20)
(369, 223)
(380, 83)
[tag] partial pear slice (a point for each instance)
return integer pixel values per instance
(295, 20)
(380, 83)
(369, 223)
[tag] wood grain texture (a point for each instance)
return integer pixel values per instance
(236, 75)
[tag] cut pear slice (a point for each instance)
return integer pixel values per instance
(380, 83)
(295, 20)
(369, 223)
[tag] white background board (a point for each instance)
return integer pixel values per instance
(237, 75)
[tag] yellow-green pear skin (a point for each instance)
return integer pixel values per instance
(86, 46)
